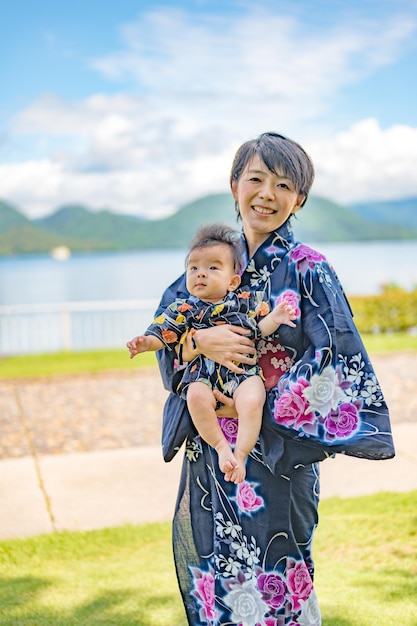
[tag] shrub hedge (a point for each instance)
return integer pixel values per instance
(393, 310)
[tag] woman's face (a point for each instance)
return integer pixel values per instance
(266, 200)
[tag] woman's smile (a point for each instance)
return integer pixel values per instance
(263, 210)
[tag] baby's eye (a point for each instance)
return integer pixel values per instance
(213, 267)
(255, 179)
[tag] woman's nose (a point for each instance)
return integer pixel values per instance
(267, 191)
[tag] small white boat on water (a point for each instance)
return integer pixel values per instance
(61, 253)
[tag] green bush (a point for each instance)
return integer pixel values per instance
(393, 310)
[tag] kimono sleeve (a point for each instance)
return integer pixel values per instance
(330, 400)
(170, 325)
(176, 422)
(167, 358)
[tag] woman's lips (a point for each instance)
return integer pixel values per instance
(263, 210)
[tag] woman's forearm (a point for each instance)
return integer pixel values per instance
(225, 344)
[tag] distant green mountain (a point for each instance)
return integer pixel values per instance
(102, 228)
(10, 217)
(19, 235)
(403, 212)
(83, 230)
(123, 232)
(323, 220)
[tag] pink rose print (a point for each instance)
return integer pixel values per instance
(277, 621)
(229, 426)
(290, 297)
(204, 593)
(247, 500)
(299, 582)
(272, 587)
(272, 250)
(305, 257)
(342, 422)
(292, 409)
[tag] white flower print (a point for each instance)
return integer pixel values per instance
(310, 611)
(364, 385)
(265, 273)
(243, 554)
(267, 346)
(281, 364)
(324, 392)
(228, 567)
(354, 373)
(246, 604)
(352, 393)
(325, 278)
(241, 550)
(372, 392)
(224, 528)
(192, 450)
(257, 277)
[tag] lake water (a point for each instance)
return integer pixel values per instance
(362, 268)
(95, 301)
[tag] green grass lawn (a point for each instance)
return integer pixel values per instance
(31, 365)
(366, 564)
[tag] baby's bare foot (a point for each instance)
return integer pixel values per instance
(228, 476)
(227, 460)
(238, 475)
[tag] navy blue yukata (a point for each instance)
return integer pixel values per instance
(243, 552)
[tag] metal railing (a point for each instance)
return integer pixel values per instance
(52, 327)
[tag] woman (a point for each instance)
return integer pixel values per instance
(243, 552)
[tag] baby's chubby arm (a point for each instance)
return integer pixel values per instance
(283, 313)
(144, 343)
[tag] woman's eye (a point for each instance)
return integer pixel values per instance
(283, 185)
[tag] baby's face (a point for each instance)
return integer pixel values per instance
(211, 273)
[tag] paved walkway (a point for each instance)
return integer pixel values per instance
(83, 452)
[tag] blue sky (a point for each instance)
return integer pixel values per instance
(140, 106)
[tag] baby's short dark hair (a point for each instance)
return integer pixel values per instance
(218, 234)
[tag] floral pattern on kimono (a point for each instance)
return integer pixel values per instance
(243, 552)
(329, 398)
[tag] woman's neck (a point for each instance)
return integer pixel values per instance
(254, 241)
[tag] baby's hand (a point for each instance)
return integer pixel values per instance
(137, 345)
(284, 313)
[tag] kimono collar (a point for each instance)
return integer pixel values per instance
(278, 243)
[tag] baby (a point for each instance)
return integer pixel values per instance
(212, 278)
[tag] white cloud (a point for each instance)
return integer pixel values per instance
(367, 162)
(201, 86)
(364, 162)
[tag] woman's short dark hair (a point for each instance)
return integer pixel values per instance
(280, 155)
(215, 235)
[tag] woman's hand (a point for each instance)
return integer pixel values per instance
(226, 344)
(229, 409)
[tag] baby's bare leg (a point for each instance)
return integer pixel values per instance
(249, 400)
(202, 406)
